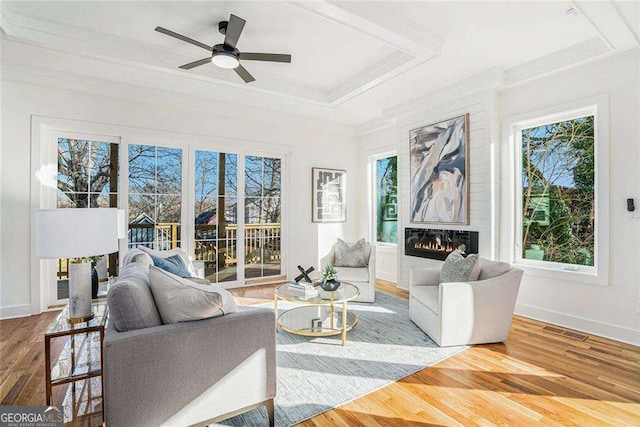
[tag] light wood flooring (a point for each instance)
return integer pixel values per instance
(543, 375)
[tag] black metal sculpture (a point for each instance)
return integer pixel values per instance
(304, 274)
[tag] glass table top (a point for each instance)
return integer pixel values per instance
(345, 292)
(62, 327)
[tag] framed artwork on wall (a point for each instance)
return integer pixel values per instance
(439, 168)
(328, 195)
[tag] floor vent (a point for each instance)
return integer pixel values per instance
(569, 334)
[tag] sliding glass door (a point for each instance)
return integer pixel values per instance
(262, 216)
(216, 214)
(237, 214)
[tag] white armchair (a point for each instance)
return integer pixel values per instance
(364, 278)
(465, 313)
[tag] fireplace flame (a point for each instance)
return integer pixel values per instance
(435, 246)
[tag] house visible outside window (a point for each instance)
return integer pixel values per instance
(387, 200)
(558, 212)
(155, 195)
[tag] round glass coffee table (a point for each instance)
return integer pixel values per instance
(317, 316)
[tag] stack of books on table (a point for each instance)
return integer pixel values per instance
(303, 290)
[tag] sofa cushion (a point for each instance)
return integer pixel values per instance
(457, 268)
(351, 274)
(131, 304)
(427, 295)
(490, 269)
(349, 255)
(172, 264)
(181, 300)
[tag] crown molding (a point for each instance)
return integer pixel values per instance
(556, 62)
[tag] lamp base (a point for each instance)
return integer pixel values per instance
(79, 291)
(74, 320)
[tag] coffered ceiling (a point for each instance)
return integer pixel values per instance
(351, 60)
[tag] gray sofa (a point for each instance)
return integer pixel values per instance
(191, 373)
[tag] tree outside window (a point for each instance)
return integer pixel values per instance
(558, 196)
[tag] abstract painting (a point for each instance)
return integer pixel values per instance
(328, 195)
(439, 167)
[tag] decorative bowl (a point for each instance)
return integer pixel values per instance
(330, 286)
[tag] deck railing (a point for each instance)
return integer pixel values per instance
(261, 242)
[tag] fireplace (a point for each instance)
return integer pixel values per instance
(438, 244)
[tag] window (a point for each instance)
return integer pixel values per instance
(155, 195)
(87, 178)
(387, 200)
(558, 215)
(216, 214)
(263, 202)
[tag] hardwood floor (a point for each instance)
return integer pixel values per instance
(542, 374)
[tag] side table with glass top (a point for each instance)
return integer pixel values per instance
(317, 316)
(79, 365)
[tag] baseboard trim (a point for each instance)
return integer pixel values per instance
(393, 278)
(593, 327)
(13, 311)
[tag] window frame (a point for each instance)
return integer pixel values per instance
(512, 246)
(373, 194)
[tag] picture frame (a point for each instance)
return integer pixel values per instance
(439, 171)
(328, 195)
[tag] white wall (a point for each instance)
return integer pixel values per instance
(608, 311)
(309, 143)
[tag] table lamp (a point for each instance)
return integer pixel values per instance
(78, 233)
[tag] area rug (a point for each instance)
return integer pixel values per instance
(315, 375)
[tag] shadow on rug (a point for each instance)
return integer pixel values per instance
(315, 375)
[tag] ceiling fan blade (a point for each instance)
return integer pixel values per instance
(183, 38)
(244, 74)
(271, 57)
(234, 29)
(197, 63)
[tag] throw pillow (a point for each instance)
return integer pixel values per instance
(349, 256)
(457, 268)
(172, 264)
(181, 300)
(166, 254)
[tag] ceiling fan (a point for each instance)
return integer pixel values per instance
(226, 54)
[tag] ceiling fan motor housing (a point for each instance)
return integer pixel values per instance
(222, 27)
(225, 50)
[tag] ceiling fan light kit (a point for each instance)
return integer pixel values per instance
(226, 55)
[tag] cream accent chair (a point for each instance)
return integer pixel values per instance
(465, 313)
(364, 277)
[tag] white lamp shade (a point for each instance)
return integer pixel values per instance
(82, 232)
